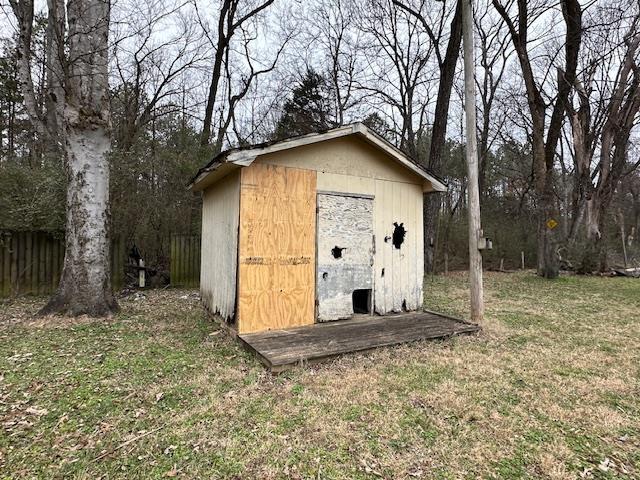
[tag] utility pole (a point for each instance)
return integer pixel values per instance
(475, 227)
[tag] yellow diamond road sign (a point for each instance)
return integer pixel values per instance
(551, 224)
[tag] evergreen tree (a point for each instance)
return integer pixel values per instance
(378, 124)
(308, 110)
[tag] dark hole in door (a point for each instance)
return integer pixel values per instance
(362, 301)
(398, 235)
(337, 251)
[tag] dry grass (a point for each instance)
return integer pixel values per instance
(550, 389)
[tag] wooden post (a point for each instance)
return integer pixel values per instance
(42, 280)
(522, 259)
(624, 243)
(5, 281)
(624, 249)
(141, 274)
(173, 261)
(502, 264)
(446, 262)
(475, 228)
(14, 263)
(30, 278)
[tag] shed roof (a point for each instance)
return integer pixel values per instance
(234, 158)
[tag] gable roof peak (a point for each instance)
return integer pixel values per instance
(245, 156)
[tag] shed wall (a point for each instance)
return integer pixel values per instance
(350, 165)
(276, 276)
(346, 155)
(219, 255)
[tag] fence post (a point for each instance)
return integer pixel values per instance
(6, 265)
(42, 269)
(14, 263)
(172, 259)
(198, 259)
(29, 271)
(192, 274)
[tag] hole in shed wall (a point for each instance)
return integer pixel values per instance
(404, 306)
(382, 274)
(325, 275)
(361, 301)
(398, 235)
(337, 251)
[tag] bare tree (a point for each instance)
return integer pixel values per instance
(149, 65)
(447, 62)
(236, 93)
(608, 101)
(584, 135)
(229, 20)
(446, 65)
(397, 53)
(494, 52)
(545, 138)
(331, 27)
(54, 58)
(23, 11)
(78, 99)
(630, 186)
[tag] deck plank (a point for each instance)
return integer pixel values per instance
(281, 349)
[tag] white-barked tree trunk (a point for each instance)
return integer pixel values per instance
(80, 95)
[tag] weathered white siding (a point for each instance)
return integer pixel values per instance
(352, 166)
(344, 253)
(219, 257)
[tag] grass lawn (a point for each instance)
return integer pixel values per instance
(549, 389)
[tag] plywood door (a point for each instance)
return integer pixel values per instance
(276, 251)
(345, 253)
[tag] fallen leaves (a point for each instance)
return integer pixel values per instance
(172, 473)
(37, 411)
(92, 396)
(169, 450)
(20, 357)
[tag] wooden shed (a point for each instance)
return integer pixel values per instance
(312, 229)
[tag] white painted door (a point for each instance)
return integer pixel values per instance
(344, 255)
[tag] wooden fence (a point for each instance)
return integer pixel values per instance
(31, 263)
(185, 260)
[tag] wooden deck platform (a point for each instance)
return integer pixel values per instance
(282, 349)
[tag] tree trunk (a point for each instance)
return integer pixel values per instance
(430, 218)
(85, 283)
(54, 99)
(447, 75)
(211, 99)
(544, 151)
(548, 233)
(595, 257)
(548, 265)
(484, 153)
(438, 135)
